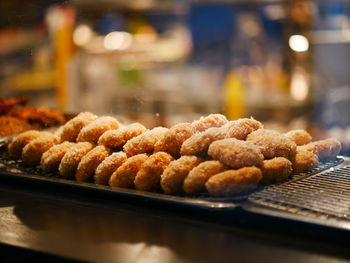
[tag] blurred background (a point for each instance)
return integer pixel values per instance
(159, 62)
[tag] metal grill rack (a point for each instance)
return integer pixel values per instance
(324, 195)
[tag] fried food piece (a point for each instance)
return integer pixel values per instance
(273, 144)
(32, 152)
(144, 143)
(327, 149)
(210, 121)
(108, 166)
(93, 131)
(125, 175)
(241, 128)
(199, 175)
(174, 175)
(275, 170)
(300, 137)
(236, 153)
(6, 104)
(16, 146)
(198, 143)
(117, 138)
(233, 182)
(51, 159)
(88, 164)
(72, 128)
(148, 177)
(11, 126)
(304, 160)
(72, 158)
(172, 140)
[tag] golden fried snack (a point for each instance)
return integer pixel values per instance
(11, 125)
(117, 138)
(327, 149)
(241, 128)
(144, 143)
(72, 158)
(304, 160)
(33, 151)
(51, 159)
(273, 144)
(72, 128)
(210, 121)
(172, 140)
(88, 164)
(198, 143)
(232, 182)
(275, 170)
(236, 153)
(199, 175)
(125, 175)
(174, 175)
(148, 177)
(93, 131)
(108, 166)
(16, 146)
(300, 137)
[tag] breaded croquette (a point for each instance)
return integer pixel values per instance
(72, 158)
(174, 175)
(108, 166)
(273, 144)
(125, 175)
(304, 160)
(144, 143)
(300, 137)
(93, 131)
(172, 140)
(236, 153)
(32, 152)
(148, 177)
(275, 170)
(232, 182)
(117, 138)
(51, 159)
(210, 121)
(88, 164)
(241, 128)
(327, 149)
(199, 175)
(198, 143)
(72, 128)
(16, 146)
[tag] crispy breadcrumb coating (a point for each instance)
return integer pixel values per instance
(72, 128)
(233, 182)
(117, 138)
(108, 166)
(144, 143)
(32, 152)
(236, 153)
(300, 137)
(241, 128)
(304, 160)
(210, 121)
(72, 158)
(174, 175)
(199, 175)
(51, 159)
(275, 170)
(172, 140)
(93, 131)
(125, 175)
(88, 164)
(148, 177)
(327, 149)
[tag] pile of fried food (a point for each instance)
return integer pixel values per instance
(210, 155)
(15, 117)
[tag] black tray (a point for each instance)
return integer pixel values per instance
(15, 170)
